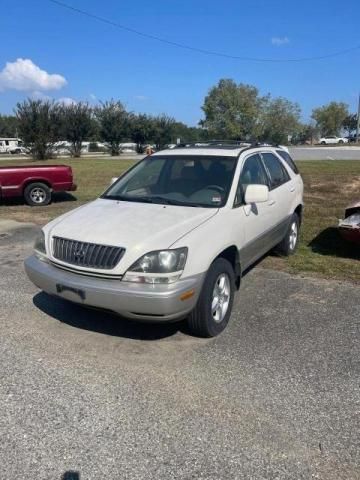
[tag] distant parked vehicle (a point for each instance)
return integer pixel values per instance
(35, 183)
(333, 140)
(12, 145)
(351, 138)
(350, 226)
(128, 148)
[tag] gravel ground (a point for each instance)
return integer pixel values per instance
(86, 395)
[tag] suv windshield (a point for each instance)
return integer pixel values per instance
(194, 181)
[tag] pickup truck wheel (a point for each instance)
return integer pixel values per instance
(212, 312)
(37, 194)
(290, 242)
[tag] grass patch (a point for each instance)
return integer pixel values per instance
(329, 187)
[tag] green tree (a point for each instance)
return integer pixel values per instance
(233, 111)
(330, 118)
(306, 133)
(39, 126)
(141, 129)
(113, 124)
(8, 126)
(188, 134)
(280, 119)
(163, 130)
(77, 125)
(350, 123)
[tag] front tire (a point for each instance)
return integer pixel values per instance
(37, 194)
(289, 244)
(212, 312)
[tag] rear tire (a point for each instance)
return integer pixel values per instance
(341, 141)
(212, 312)
(37, 194)
(290, 242)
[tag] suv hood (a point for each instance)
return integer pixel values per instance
(137, 227)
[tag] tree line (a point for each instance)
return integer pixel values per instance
(231, 112)
(42, 124)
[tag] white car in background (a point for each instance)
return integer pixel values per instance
(171, 238)
(333, 140)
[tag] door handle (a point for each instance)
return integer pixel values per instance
(292, 189)
(271, 202)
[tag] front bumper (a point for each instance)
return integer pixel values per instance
(132, 300)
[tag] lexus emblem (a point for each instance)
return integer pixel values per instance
(79, 254)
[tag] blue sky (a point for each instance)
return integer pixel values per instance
(97, 61)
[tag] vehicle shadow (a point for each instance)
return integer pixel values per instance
(330, 242)
(104, 322)
(57, 197)
(70, 475)
(63, 197)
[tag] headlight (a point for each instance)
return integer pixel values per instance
(39, 245)
(163, 266)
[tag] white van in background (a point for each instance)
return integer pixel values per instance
(11, 145)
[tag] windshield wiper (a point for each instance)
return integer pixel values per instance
(125, 198)
(153, 199)
(172, 201)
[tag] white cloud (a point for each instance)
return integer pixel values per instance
(36, 95)
(279, 41)
(67, 101)
(24, 75)
(93, 96)
(141, 98)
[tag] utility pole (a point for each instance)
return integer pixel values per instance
(358, 123)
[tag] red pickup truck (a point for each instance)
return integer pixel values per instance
(35, 183)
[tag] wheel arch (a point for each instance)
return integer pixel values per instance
(231, 254)
(299, 211)
(35, 180)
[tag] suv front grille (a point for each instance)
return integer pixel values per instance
(89, 255)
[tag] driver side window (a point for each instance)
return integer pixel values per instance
(253, 173)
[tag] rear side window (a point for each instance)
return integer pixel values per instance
(284, 155)
(277, 172)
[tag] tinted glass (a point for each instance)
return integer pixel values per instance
(278, 174)
(179, 180)
(252, 173)
(288, 160)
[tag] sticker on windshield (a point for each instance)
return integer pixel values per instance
(216, 199)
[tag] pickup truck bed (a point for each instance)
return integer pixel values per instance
(35, 183)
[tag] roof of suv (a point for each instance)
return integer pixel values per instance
(224, 149)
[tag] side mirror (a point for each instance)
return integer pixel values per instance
(113, 180)
(256, 194)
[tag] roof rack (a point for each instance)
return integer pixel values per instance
(263, 144)
(230, 144)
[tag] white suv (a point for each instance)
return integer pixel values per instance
(171, 238)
